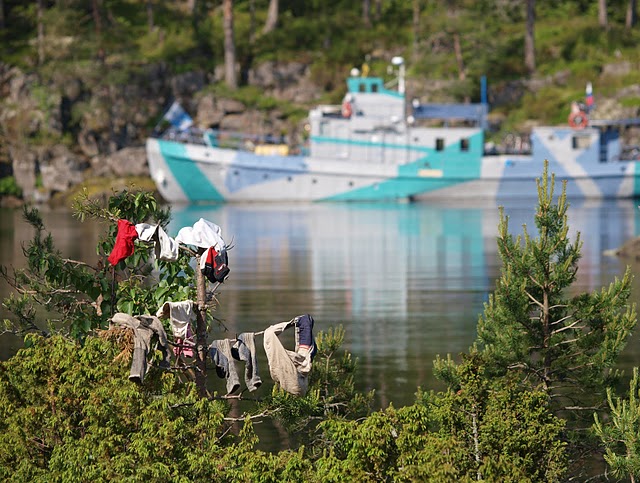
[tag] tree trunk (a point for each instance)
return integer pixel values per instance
(229, 45)
(632, 14)
(97, 18)
(150, 15)
(272, 17)
(378, 13)
(40, 32)
(366, 13)
(2, 21)
(529, 38)
(247, 60)
(201, 330)
(252, 22)
(602, 13)
(416, 29)
(462, 73)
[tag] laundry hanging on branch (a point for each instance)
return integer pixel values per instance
(214, 262)
(289, 369)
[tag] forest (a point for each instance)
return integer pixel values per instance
(84, 80)
(447, 44)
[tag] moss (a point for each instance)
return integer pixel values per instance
(103, 188)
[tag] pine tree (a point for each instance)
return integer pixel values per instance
(620, 433)
(566, 345)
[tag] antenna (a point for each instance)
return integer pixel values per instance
(399, 62)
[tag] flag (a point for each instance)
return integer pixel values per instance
(589, 96)
(178, 117)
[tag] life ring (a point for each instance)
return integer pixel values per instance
(578, 120)
(346, 109)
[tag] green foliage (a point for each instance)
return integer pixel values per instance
(531, 326)
(105, 46)
(483, 431)
(331, 389)
(8, 186)
(82, 296)
(68, 411)
(619, 432)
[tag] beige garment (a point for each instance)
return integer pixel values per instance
(180, 314)
(288, 368)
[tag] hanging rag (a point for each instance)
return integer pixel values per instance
(165, 247)
(220, 352)
(291, 369)
(184, 347)
(123, 247)
(180, 315)
(214, 264)
(244, 350)
(203, 234)
(144, 328)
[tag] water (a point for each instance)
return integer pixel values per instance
(406, 281)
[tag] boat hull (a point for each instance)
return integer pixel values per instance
(193, 173)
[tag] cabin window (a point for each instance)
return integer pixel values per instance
(374, 88)
(440, 144)
(581, 142)
(362, 87)
(464, 144)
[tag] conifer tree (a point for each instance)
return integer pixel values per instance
(619, 433)
(533, 326)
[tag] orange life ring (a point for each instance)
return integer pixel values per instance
(578, 120)
(346, 109)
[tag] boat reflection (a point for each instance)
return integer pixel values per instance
(407, 281)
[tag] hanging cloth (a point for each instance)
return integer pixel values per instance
(220, 352)
(203, 234)
(180, 315)
(291, 369)
(123, 247)
(165, 247)
(144, 328)
(215, 265)
(244, 350)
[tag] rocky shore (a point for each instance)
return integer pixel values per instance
(78, 130)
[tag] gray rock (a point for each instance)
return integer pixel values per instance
(24, 169)
(208, 114)
(131, 161)
(60, 169)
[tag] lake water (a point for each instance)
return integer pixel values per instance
(406, 281)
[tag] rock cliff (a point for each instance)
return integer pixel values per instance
(59, 134)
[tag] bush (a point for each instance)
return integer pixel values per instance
(9, 187)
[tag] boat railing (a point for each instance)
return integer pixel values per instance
(264, 144)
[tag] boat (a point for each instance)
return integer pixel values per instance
(378, 146)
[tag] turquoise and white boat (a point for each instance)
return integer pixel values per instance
(376, 146)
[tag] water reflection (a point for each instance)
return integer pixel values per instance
(407, 281)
